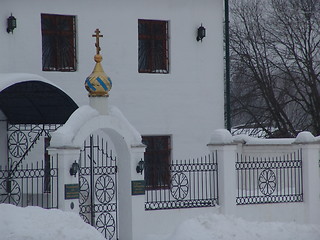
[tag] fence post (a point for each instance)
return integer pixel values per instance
(68, 185)
(130, 192)
(223, 145)
(137, 196)
(311, 175)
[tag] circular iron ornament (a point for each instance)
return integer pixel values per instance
(10, 194)
(106, 225)
(267, 182)
(84, 190)
(18, 143)
(179, 186)
(104, 188)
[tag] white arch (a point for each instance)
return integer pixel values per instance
(8, 79)
(68, 140)
(86, 120)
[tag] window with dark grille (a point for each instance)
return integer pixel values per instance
(157, 159)
(58, 42)
(153, 46)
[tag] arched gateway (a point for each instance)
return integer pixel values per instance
(31, 108)
(100, 204)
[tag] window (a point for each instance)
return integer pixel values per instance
(157, 159)
(58, 42)
(153, 46)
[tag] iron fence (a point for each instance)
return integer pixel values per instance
(34, 184)
(193, 184)
(269, 179)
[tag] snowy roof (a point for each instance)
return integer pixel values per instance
(8, 79)
(29, 98)
(86, 120)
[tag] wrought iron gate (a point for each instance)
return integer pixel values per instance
(29, 177)
(98, 187)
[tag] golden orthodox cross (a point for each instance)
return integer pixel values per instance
(97, 36)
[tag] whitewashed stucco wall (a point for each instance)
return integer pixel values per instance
(187, 103)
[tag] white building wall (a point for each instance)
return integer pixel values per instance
(187, 103)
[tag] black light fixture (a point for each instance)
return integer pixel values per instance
(11, 23)
(140, 166)
(201, 33)
(74, 169)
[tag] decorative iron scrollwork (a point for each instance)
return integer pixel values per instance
(10, 192)
(84, 190)
(179, 186)
(104, 189)
(97, 179)
(18, 143)
(106, 225)
(267, 182)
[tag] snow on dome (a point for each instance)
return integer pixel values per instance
(305, 137)
(221, 136)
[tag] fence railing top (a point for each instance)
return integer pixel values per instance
(224, 137)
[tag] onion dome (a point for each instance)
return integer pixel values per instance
(98, 83)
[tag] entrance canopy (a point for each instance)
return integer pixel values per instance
(28, 98)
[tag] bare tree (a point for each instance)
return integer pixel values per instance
(275, 65)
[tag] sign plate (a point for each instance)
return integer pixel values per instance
(138, 187)
(71, 191)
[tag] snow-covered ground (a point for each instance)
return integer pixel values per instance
(34, 223)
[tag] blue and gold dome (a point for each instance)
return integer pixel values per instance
(98, 83)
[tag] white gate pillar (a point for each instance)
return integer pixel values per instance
(311, 175)
(68, 185)
(130, 191)
(137, 192)
(222, 143)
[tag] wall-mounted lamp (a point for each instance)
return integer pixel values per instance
(140, 167)
(201, 33)
(74, 169)
(11, 23)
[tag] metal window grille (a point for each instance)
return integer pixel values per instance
(58, 42)
(193, 184)
(269, 179)
(153, 46)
